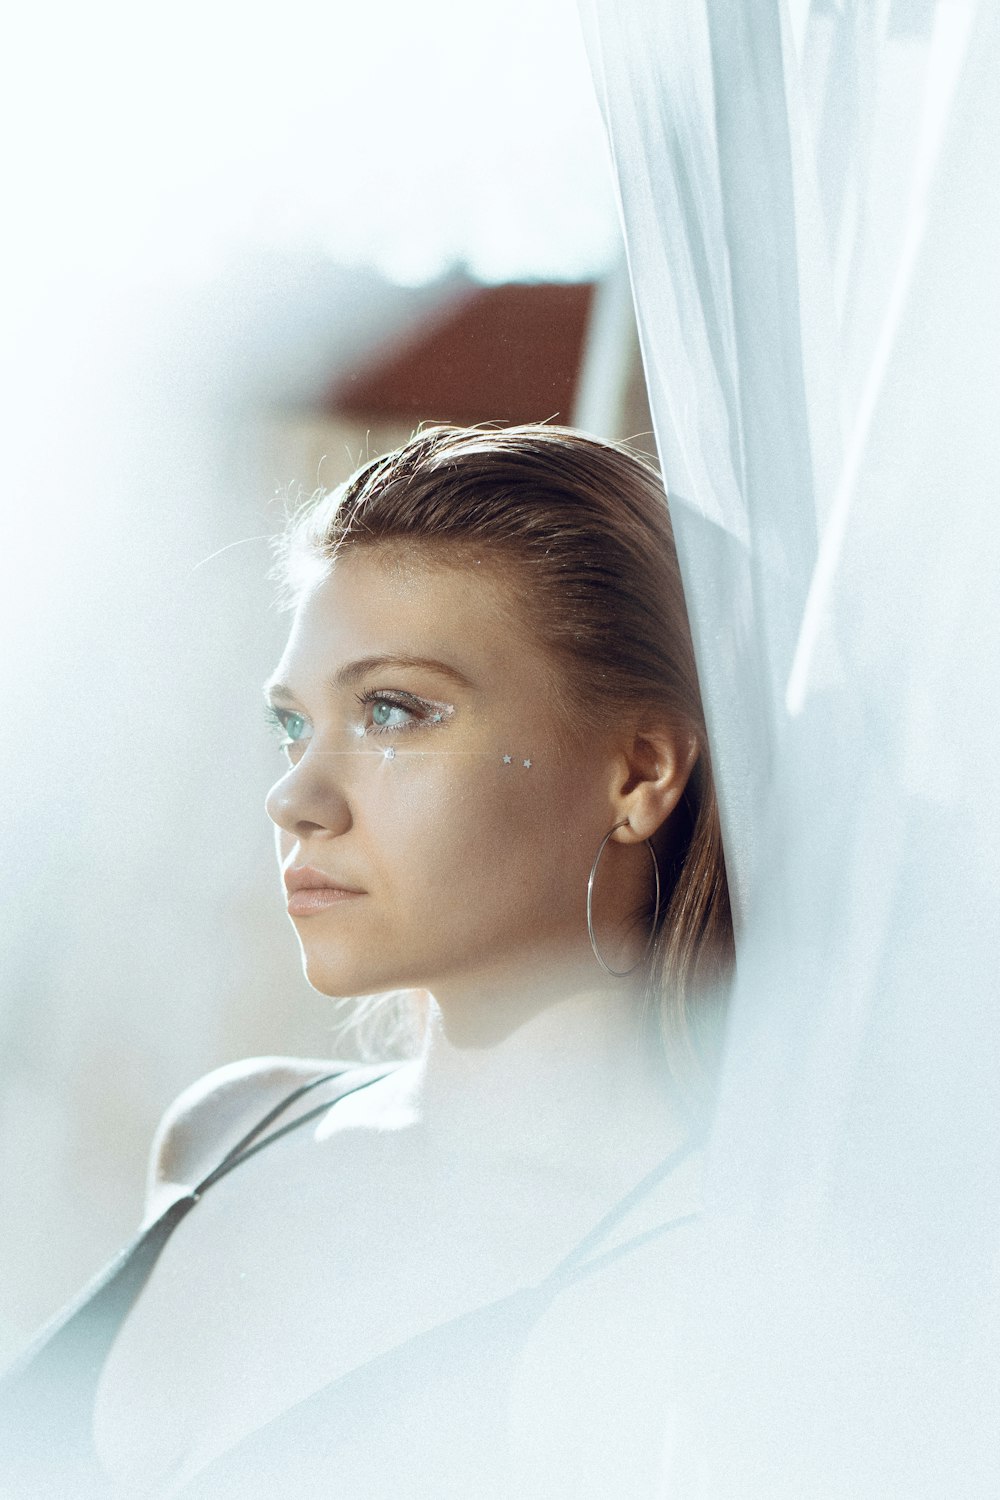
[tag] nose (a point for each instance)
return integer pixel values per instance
(308, 800)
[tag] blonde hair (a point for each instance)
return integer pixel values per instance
(584, 528)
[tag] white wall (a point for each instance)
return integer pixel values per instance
(144, 939)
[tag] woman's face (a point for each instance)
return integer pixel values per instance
(432, 780)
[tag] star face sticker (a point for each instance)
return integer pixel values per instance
(507, 760)
(526, 764)
(390, 754)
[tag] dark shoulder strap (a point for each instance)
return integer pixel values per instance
(255, 1140)
(47, 1395)
(250, 1143)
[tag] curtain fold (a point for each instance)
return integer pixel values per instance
(812, 219)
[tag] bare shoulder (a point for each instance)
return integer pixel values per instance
(213, 1114)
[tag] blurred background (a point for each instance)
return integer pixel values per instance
(246, 248)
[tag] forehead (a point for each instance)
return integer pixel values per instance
(380, 601)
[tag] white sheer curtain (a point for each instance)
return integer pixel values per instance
(811, 206)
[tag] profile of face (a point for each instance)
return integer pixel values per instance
(432, 779)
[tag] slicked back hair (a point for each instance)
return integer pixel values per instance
(584, 530)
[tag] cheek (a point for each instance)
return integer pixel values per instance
(470, 840)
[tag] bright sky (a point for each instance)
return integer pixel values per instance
(152, 140)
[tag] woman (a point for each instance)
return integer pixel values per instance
(461, 1274)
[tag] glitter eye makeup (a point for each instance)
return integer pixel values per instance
(384, 711)
(393, 711)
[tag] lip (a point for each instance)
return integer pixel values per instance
(310, 890)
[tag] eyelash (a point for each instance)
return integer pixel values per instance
(405, 701)
(278, 718)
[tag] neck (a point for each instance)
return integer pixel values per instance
(572, 1071)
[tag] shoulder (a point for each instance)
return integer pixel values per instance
(213, 1114)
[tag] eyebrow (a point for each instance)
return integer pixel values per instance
(354, 672)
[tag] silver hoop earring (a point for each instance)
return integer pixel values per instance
(620, 973)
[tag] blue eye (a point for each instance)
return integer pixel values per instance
(292, 727)
(390, 712)
(388, 715)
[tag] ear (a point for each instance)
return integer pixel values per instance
(653, 773)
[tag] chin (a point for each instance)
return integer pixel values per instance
(334, 983)
(342, 980)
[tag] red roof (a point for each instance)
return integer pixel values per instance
(504, 353)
